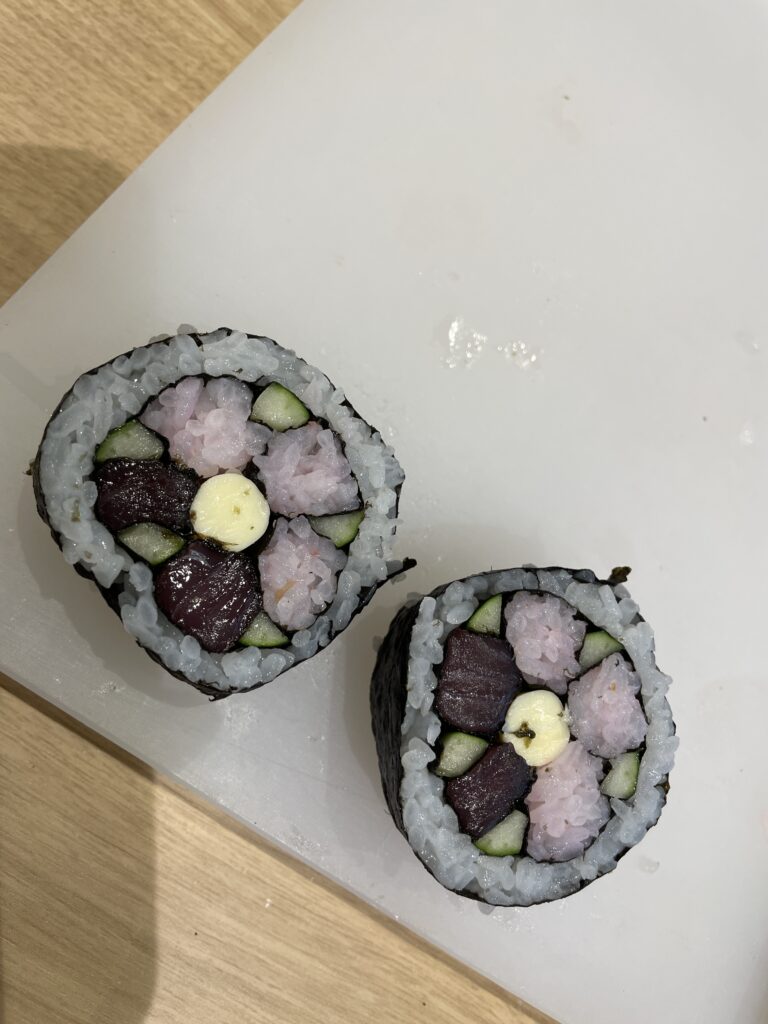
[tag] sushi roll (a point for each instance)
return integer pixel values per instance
(523, 732)
(228, 501)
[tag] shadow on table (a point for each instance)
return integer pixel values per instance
(76, 850)
(45, 194)
(77, 870)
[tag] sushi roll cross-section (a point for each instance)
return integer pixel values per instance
(229, 502)
(523, 731)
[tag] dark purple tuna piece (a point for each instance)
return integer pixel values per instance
(478, 681)
(132, 491)
(210, 594)
(488, 791)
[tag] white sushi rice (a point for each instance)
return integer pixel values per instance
(106, 398)
(432, 826)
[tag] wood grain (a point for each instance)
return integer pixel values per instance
(122, 900)
(88, 88)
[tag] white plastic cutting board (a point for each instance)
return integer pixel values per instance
(581, 182)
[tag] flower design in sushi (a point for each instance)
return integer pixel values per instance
(227, 499)
(523, 732)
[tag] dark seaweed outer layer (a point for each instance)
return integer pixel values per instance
(112, 594)
(389, 689)
(388, 694)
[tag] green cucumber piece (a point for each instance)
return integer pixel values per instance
(506, 838)
(621, 780)
(153, 543)
(341, 529)
(487, 617)
(130, 441)
(596, 646)
(279, 408)
(262, 632)
(459, 753)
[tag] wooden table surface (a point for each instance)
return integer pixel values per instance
(122, 900)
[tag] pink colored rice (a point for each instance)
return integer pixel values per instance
(207, 425)
(545, 636)
(298, 574)
(605, 712)
(305, 472)
(565, 806)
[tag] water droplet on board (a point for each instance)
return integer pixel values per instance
(465, 344)
(648, 864)
(519, 353)
(109, 686)
(267, 904)
(747, 341)
(747, 435)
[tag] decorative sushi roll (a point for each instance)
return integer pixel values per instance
(229, 502)
(523, 731)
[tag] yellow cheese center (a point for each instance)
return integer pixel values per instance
(230, 510)
(536, 726)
